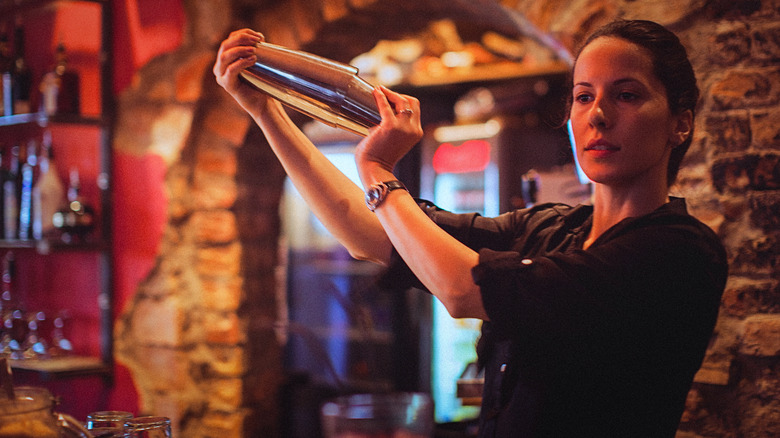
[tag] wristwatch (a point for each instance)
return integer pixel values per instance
(376, 194)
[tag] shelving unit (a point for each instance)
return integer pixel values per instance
(17, 128)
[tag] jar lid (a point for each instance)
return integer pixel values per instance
(147, 423)
(28, 399)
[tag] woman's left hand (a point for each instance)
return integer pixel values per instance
(396, 135)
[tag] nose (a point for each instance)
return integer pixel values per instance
(597, 116)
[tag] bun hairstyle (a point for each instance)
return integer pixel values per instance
(670, 65)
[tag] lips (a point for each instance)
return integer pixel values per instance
(600, 148)
(601, 145)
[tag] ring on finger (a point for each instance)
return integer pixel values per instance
(406, 112)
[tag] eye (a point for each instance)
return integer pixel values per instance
(627, 96)
(583, 98)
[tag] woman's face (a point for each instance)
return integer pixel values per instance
(620, 116)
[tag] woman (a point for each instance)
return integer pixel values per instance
(596, 317)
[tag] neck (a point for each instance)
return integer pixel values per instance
(611, 206)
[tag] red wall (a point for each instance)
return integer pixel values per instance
(142, 29)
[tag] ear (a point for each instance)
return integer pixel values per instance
(682, 127)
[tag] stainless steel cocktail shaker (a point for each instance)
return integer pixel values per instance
(321, 88)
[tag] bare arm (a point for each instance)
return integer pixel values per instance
(331, 195)
(441, 262)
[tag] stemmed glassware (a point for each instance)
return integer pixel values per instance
(28, 335)
(23, 335)
(14, 333)
(60, 344)
(35, 346)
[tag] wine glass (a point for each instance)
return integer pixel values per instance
(15, 333)
(60, 344)
(35, 346)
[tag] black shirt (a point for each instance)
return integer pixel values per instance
(602, 342)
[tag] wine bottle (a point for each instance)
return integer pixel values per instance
(76, 219)
(60, 87)
(10, 199)
(48, 191)
(6, 84)
(21, 76)
(27, 175)
(3, 175)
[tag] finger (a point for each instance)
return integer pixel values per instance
(236, 57)
(414, 106)
(383, 105)
(245, 35)
(240, 63)
(243, 38)
(398, 101)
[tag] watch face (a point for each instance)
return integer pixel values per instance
(372, 196)
(375, 195)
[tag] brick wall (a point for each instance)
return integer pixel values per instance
(198, 335)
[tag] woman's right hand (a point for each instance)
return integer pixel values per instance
(236, 53)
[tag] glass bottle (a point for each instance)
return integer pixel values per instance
(60, 87)
(77, 219)
(48, 192)
(10, 198)
(3, 175)
(21, 76)
(6, 85)
(27, 175)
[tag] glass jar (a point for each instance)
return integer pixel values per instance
(31, 415)
(148, 427)
(408, 415)
(102, 419)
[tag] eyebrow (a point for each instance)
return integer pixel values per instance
(617, 82)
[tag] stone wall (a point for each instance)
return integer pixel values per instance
(198, 335)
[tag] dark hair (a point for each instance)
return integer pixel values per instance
(670, 65)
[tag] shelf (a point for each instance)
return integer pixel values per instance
(62, 367)
(97, 124)
(47, 246)
(19, 119)
(43, 120)
(484, 73)
(21, 6)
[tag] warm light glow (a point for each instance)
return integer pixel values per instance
(457, 133)
(470, 156)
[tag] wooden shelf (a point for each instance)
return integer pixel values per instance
(25, 6)
(62, 367)
(19, 119)
(47, 246)
(42, 119)
(19, 127)
(484, 73)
